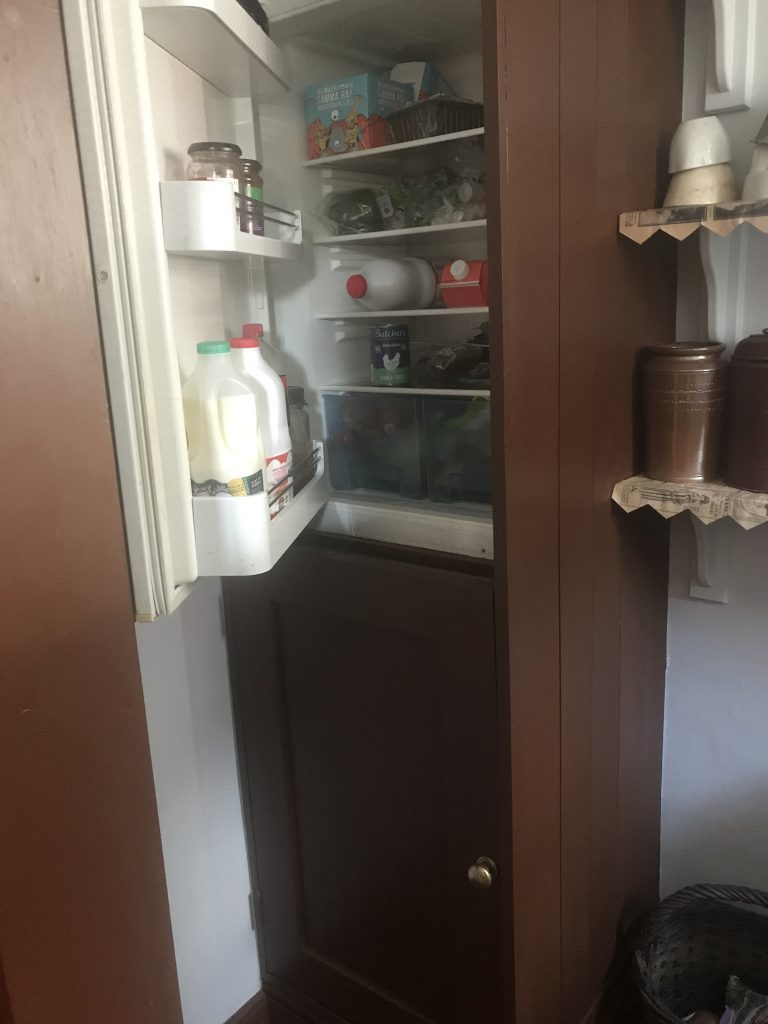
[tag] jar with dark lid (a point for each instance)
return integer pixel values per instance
(251, 205)
(213, 161)
(746, 464)
(684, 393)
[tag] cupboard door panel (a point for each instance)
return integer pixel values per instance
(367, 710)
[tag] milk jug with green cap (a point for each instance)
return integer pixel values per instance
(226, 456)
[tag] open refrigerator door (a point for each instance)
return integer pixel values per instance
(148, 79)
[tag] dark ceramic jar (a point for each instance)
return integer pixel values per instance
(746, 463)
(684, 393)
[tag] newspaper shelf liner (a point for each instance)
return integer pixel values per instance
(682, 221)
(708, 502)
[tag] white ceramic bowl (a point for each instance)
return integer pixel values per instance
(701, 185)
(700, 142)
(755, 186)
(760, 158)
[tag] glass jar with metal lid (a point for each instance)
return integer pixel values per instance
(214, 161)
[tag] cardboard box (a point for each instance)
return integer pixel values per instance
(423, 77)
(350, 113)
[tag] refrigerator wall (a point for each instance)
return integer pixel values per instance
(189, 716)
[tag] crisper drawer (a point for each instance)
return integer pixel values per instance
(374, 442)
(416, 446)
(458, 448)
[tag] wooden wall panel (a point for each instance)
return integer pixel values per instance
(521, 55)
(621, 64)
(84, 923)
(581, 97)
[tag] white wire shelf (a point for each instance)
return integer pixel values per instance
(403, 314)
(384, 158)
(466, 230)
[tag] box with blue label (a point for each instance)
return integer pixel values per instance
(350, 113)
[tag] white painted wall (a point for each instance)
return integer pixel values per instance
(715, 780)
(186, 691)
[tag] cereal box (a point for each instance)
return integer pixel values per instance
(350, 113)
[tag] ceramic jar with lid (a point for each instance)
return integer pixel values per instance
(684, 395)
(746, 463)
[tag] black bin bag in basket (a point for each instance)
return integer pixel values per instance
(694, 943)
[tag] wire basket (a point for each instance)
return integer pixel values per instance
(439, 115)
(694, 942)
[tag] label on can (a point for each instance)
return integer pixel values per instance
(390, 355)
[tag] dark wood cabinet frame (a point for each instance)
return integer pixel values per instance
(582, 97)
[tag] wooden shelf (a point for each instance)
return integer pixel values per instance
(708, 502)
(465, 230)
(680, 222)
(404, 314)
(385, 158)
(219, 42)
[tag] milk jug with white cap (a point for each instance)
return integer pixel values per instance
(222, 420)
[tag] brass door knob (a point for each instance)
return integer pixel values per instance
(483, 873)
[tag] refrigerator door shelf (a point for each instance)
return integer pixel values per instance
(199, 220)
(235, 536)
(220, 42)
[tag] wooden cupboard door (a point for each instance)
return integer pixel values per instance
(366, 702)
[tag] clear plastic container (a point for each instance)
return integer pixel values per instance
(438, 115)
(458, 448)
(374, 443)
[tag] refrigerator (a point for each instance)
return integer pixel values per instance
(150, 77)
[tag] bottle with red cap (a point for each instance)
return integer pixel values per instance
(270, 392)
(405, 282)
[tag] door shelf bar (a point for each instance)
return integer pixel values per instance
(199, 219)
(235, 536)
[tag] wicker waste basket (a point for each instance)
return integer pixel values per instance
(692, 944)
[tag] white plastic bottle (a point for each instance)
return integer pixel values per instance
(248, 359)
(405, 282)
(221, 414)
(271, 356)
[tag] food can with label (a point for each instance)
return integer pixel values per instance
(390, 355)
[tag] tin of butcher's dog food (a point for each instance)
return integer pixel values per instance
(390, 355)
